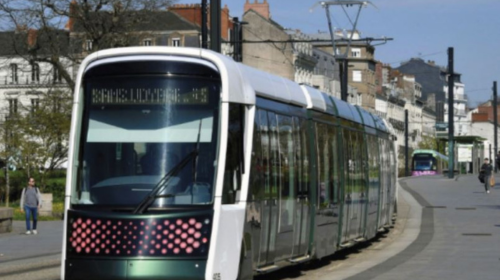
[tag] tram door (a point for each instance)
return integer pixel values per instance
(269, 201)
(363, 188)
(348, 165)
(285, 214)
(301, 173)
(356, 188)
(383, 183)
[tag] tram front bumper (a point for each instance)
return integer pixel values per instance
(81, 269)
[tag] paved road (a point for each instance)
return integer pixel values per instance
(446, 229)
(31, 256)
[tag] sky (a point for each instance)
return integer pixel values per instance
(419, 28)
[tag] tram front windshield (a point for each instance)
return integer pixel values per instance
(136, 129)
(424, 162)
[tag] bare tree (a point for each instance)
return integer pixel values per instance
(56, 31)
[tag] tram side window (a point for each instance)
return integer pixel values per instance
(234, 154)
(324, 169)
(347, 158)
(257, 179)
(335, 182)
(364, 163)
(287, 167)
(304, 162)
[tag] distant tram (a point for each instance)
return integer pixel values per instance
(184, 164)
(428, 162)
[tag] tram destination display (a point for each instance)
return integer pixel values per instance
(150, 96)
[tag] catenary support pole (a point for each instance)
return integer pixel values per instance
(407, 167)
(495, 124)
(204, 24)
(215, 23)
(451, 108)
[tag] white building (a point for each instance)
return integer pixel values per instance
(459, 107)
(23, 83)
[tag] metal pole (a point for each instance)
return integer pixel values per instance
(407, 167)
(7, 183)
(204, 23)
(495, 123)
(345, 80)
(332, 34)
(451, 107)
(215, 23)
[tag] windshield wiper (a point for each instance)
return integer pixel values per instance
(153, 195)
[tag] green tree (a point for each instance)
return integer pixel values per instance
(428, 142)
(36, 137)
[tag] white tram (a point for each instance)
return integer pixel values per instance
(184, 164)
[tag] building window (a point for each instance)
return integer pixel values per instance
(357, 76)
(13, 73)
(35, 72)
(12, 107)
(148, 42)
(89, 45)
(35, 104)
(176, 42)
(356, 52)
(56, 75)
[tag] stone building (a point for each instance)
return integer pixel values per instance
(362, 64)
(275, 57)
(434, 82)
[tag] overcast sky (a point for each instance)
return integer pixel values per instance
(420, 28)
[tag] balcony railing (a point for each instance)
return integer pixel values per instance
(25, 81)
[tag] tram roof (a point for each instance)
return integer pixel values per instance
(346, 110)
(241, 83)
(272, 86)
(317, 100)
(367, 117)
(380, 123)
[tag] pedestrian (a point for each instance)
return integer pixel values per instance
(31, 201)
(486, 169)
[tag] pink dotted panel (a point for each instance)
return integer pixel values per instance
(133, 237)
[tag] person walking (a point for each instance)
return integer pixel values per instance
(486, 169)
(31, 201)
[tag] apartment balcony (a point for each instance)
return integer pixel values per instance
(461, 98)
(460, 113)
(26, 82)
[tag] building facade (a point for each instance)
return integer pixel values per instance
(24, 82)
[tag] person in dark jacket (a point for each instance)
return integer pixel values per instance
(486, 169)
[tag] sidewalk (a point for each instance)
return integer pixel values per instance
(18, 246)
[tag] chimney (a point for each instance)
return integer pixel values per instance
(72, 12)
(192, 13)
(260, 8)
(32, 35)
